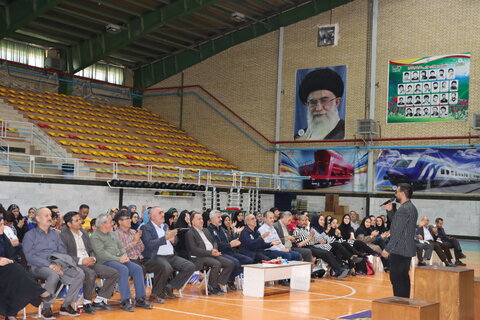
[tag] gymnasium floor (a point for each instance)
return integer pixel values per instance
(327, 299)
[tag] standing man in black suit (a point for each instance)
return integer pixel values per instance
(401, 247)
(202, 247)
(78, 246)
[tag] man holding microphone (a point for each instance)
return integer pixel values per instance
(401, 247)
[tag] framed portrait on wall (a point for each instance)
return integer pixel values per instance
(327, 35)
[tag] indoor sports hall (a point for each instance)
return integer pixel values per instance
(239, 159)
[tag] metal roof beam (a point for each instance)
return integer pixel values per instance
(145, 44)
(215, 20)
(184, 30)
(198, 25)
(81, 15)
(19, 13)
(174, 36)
(266, 4)
(170, 43)
(141, 4)
(77, 25)
(148, 75)
(97, 11)
(117, 7)
(46, 36)
(242, 7)
(30, 39)
(228, 10)
(90, 51)
(58, 30)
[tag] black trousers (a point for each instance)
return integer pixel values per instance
(326, 256)
(163, 268)
(453, 243)
(399, 277)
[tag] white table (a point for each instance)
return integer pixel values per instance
(255, 276)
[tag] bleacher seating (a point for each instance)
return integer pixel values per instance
(102, 134)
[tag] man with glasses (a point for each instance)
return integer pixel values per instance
(321, 91)
(401, 247)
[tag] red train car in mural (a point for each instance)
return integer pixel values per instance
(327, 169)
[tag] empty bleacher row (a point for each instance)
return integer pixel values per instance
(103, 135)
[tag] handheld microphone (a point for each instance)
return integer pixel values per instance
(388, 201)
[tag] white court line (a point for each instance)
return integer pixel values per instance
(185, 312)
(363, 277)
(262, 309)
(192, 314)
(367, 284)
(331, 297)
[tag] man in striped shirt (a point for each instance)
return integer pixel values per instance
(305, 239)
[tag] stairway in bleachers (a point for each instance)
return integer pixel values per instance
(102, 134)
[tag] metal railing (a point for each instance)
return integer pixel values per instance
(28, 132)
(73, 168)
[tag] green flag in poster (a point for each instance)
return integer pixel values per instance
(429, 89)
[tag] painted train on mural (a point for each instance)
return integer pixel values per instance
(428, 171)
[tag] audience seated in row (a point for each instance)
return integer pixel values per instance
(75, 250)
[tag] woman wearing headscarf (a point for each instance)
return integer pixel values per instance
(342, 250)
(132, 209)
(238, 219)
(348, 234)
(171, 217)
(135, 221)
(206, 217)
(228, 229)
(20, 222)
(17, 287)
(183, 222)
(367, 234)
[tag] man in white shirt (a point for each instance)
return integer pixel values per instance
(78, 246)
(202, 247)
(423, 233)
(277, 250)
(161, 259)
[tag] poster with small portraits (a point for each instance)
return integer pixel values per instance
(429, 89)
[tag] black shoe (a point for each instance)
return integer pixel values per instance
(88, 308)
(213, 291)
(460, 263)
(462, 256)
(169, 293)
(69, 311)
(156, 299)
(47, 314)
(449, 264)
(219, 290)
(422, 264)
(127, 306)
(101, 306)
(231, 285)
(141, 303)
